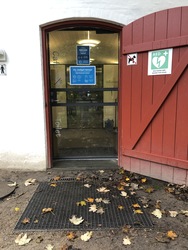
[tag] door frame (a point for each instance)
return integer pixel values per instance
(63, 24)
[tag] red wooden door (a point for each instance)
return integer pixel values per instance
(154, 109)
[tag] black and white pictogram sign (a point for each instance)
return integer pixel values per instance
(132, 59)
(3, 70)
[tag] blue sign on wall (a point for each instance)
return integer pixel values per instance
(82, 75)
(82, 55)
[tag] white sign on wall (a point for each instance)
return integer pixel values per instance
(160, 62)
(132, 59)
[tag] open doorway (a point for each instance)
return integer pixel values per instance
(83, 117)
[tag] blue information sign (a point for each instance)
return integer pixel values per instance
(83, 55)
(82, 75)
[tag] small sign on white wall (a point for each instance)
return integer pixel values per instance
(132, 59)
(3, 70)
(160, 62)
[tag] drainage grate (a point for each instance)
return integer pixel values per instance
(63, 199)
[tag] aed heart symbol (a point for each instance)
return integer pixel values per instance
(158, 61)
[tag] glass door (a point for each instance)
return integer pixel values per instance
(84, 117)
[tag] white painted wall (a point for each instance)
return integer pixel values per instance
(22, 127)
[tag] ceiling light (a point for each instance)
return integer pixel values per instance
(88, 42)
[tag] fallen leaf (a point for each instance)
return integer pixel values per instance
(126, 241)
(100, 210)
(47, 210)
(81, 203)
(124, 194)
(93, 208)
(149, 190)
(12, 184)
(143, 180)
(36, 221)
(157, 213)
(136, 205)
(86, 236)
(173, 213)
(87, 185)
(26, 221)
(103, 190)
(134, 186)
(120, 187)
(53, 184)
(138, 211)
(158, 204)
(76, 221)
(22, 239)
(17, 209)
(172, 235)
(185, 212)
(90, 200)
(101, 171)
(121, 171)
(98, 200)
(127, 179)
(126, 229)
(56, 178)
(49, 247)
(106, 201)
(30, 181)
(120, 207)
(71, 236)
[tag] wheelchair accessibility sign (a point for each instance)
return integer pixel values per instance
(160, 62)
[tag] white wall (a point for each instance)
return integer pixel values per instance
(22, 127)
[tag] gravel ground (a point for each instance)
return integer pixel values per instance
(168, 232)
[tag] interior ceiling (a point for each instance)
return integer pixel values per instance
(62, 46)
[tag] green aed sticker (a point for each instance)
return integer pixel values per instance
(160, 62)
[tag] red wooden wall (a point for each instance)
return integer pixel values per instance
(154, 109)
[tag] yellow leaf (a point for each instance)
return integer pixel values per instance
(157, 213)
(136, 205)
(81, 203)
(47, 210)
(22, 239)
(126, 241)
(120, 207)
(149, 190)
(172, 235)
(53, 184)
(90, 200)
(120, 187)
(121, 171)
(26, 221)
(138, 211)
(16, 209)
(127, 179)
(143, 180)
(76, 221)
(71, 236)
(56, 178)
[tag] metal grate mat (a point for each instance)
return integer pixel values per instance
(63, 200)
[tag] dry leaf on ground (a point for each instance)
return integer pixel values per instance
(173, 213)
(75, 220)
(53, 185)
(103, 190)
(81, 203)
(26, 221)
(185, 212)
(30, 181)
(126, 241)
(86, 236)
(47, 210)
(106, 201)
(22, 239)
(149, 190)
(87, 185)
(71, 236)
(138, 211)
(124, 194)
(93, 208)
(172, 235)
(90, 200)
(12, 184)
(157, 213)
(49, 247)
(98, 200)
(56, 178)
(100, 210)
(120, 207)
